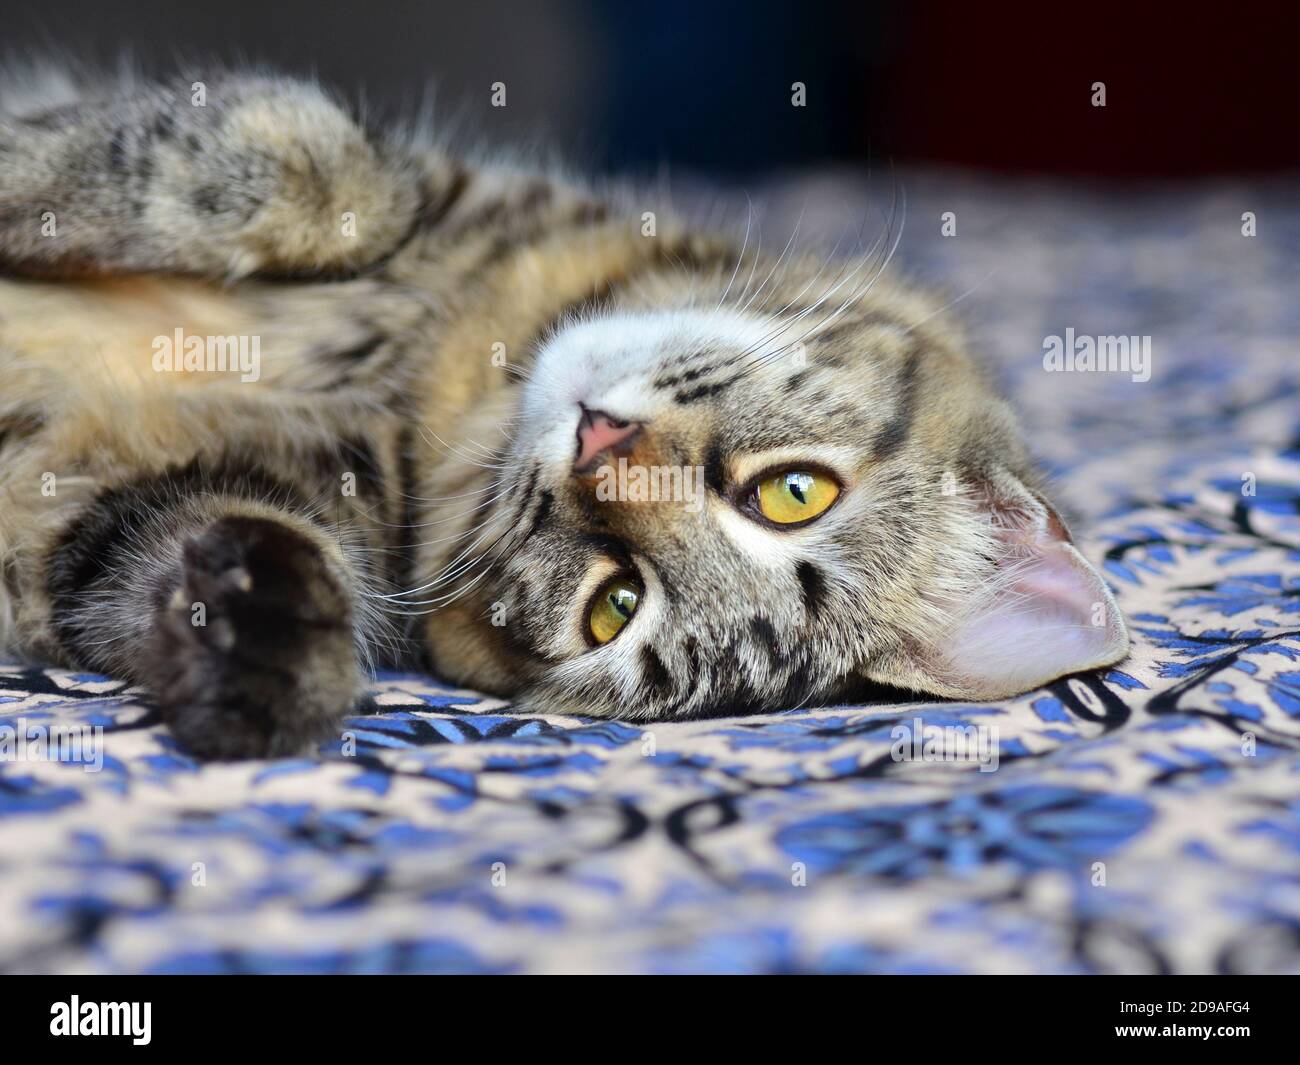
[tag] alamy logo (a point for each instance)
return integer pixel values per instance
(102, 1018)
(71, 744)
(180, 353)
(651, 484)
(1101, 354)
(919, 742)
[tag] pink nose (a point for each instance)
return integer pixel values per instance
(598, 433)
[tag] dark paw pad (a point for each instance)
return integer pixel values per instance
(253, 653)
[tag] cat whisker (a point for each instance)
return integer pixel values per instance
(457, 565)
(855, 295)
(789, 244)
(749, 222)
(450, 450)
(798, 296)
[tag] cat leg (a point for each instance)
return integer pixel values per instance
(252, 653)
(240, 175)
(216, 572)
(236, 612)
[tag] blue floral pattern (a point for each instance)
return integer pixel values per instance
(1141, 820)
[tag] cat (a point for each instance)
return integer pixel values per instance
(283, 396)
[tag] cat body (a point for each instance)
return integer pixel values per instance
(282, 398)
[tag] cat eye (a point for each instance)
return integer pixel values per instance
(613, 608)
(794, 497)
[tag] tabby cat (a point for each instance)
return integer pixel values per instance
(283, 397)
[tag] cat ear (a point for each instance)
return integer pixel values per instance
(1044, 613)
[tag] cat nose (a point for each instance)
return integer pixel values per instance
(599, 433)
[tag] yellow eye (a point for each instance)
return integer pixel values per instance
(796, 496)
(613, 608)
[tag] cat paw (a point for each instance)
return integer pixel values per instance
(253, 654)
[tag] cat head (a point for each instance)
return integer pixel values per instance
(713, 503)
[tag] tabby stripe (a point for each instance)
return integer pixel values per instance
(19, 426)
(798, 685)
(734, 692)
(705, 391)
(765, 636)
(654, 675)
(683, 378)
(842, 329)
(526, 496)
(796, 380)
(510, 243)
(431, 213)
(813, 584)
(349, 358)
(714, 468)
(540, 513)
(611, 547)
(436, 212)
(691, 647)
(893, 435)
(510, 204)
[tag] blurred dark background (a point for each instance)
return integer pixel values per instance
(706, 87)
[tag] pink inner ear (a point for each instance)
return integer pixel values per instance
(1047, 614)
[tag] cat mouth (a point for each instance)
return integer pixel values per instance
(599, 435)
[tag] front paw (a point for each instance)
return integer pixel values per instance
(253, 655)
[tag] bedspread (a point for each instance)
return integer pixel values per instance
(1146, 819)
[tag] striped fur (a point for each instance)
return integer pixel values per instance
(400, 470)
